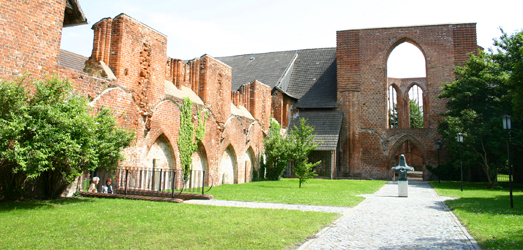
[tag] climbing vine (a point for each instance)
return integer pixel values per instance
(190, 134)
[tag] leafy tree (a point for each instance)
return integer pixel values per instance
(393, 117)
(190, 134)
(276, 152)
(302, 139)
(55, 136)
(509, 56)
(481, 93)
(416, 114)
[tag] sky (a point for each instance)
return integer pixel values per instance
(236, 27)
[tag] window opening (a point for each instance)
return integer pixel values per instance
(416, 106)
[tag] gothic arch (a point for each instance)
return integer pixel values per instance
(161, 151)
(228, 168)
(407, 138)
(399, 41)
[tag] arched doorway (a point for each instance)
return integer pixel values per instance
(412, 153)
(228, 168)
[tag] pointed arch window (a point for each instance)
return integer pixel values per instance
(416, 106)
(393, 107)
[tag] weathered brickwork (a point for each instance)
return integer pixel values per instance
(369, 146)
(31, 33)
(136, 54)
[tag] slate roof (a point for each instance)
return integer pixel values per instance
(312, 76)
(71, 60)
(313, 79)
(267, 68)
(326, 124)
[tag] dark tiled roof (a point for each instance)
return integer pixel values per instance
(71, 60)
(326, 124)
(267, 68)
(313, 79)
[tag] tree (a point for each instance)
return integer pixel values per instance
(416, 114)
(55, 136)
(509, 56)
(276, 152)
(190, 134)
(302, 139)
(393, 116)
(481, 93)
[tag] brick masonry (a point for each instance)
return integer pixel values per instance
(136, 54)
(368, 146)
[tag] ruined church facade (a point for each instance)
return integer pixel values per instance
(343, 92)
(129, 72)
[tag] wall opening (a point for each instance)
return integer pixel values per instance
(412, 155)
(405, 65)
(392, 103)
(416, 106)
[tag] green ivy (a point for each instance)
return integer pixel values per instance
(190, 134)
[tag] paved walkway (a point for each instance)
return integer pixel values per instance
(383, 221)
(386, 221)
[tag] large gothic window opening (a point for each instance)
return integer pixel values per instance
(405, 65)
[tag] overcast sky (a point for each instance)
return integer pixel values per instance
(235, 27)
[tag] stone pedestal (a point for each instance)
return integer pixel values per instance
(403, 188)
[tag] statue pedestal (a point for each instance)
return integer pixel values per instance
(403, 188)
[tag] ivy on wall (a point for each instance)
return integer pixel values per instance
(190, 134)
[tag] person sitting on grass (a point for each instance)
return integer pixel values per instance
(92, 188)
(107, 188)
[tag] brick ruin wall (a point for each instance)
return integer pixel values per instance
(136, 54)
(368, 146)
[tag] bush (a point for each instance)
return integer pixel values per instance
(51, 133)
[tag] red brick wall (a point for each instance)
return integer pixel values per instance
(31, 34)
(368, 145)
(136, 53)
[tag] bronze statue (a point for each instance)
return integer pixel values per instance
(402, 168)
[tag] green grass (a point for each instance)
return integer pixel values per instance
(487, 213)
(314, 192)
(88, 223)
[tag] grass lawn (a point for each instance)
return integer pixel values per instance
(487, 213)
(89, 223)
(313, 192)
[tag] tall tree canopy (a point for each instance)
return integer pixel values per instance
(483, 91)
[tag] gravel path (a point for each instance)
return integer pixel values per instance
(386, 221)
(326, 209)
(383, 221)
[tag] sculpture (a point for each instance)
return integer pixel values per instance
(403, 183)
(402, 168)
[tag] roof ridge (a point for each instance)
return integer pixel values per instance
(73, 53)
(282, 51)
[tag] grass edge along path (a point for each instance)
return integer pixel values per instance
(97, 223)
(486, 213)
(314, 192)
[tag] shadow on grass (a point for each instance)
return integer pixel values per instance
(494, 205)
(7, 206)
